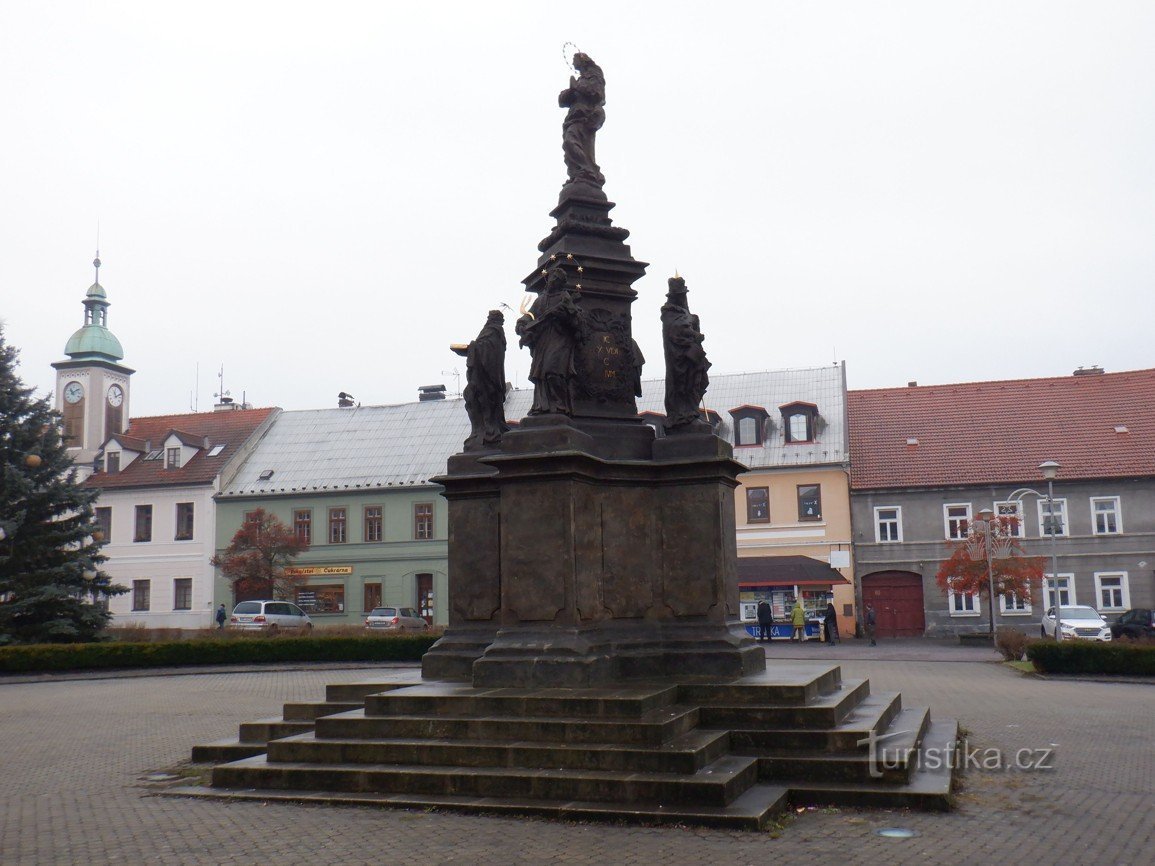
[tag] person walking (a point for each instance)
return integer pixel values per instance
(870, 621)
(798, 620)
(222, 616)
(831, 624)
(765, 620)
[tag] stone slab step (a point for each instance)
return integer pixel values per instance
(684, 754)
(776, 685)
(652, 728)
(225, 750)
(307, 711)
(263, 730)
(874, 713)
(357, 692)
(893, 761)
(717, 784)
(929, 789)
(461, 699)
(824, 711)
(753, 810)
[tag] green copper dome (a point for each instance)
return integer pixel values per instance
(94, 341)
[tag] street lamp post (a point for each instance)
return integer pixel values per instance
(1050, 469)
(987, 516)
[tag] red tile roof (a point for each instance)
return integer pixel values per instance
(999, 432)
(230, 429)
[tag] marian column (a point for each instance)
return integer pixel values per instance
(583, 551)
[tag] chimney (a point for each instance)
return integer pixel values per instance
(226, 405)
(912, 384)
(1095, 370)
(426, 393)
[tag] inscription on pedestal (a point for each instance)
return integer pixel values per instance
(609, 364)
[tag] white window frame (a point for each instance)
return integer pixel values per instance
(1124, 587)
(946, 520)
(1117, 511)
(1017, 607)
(1009, 508)
(1060, 509)
(896, 522)
(1069, 588)
(955, 603)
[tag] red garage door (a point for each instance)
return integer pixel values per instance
(897, 600)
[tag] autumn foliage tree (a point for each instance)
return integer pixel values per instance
(1014, 573)
(256, 558)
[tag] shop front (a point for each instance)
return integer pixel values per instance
(780, 580)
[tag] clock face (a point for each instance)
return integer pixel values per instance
(115, 396)
(73, 391)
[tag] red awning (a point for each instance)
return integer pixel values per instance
(786, 571)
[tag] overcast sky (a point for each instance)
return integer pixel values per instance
(323, 196)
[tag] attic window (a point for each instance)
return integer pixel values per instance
(799, 421)
(1121, 428)
(911, 441)
(749, 422)
(266, 475)
(154, 454)
(217, 449)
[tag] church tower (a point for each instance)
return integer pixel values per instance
(92, 387)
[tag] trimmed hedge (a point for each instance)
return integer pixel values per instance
(97, 656)
(1093, 657)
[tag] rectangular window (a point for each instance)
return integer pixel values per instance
(184, 521)
(957, 519)
(1010, 515)
(104, 522)
(140, 594)
(757, 505)
(1060, 518)
(425, 596)
(303, 524)
(251, 517)
(1012, 605)
(112, 462)
(373, 523)
(1111, 590)
(423, 521)
(809, 501)
(182, 593)
(1066, 589)
(964, 603)
(372, 596)
(172, 458)
(337, 526)
(321, 599)
(887, 524)
(1107, 515)
(142, 530)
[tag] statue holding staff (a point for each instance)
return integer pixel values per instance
(485, 384)
(550, 330)
(686, 364)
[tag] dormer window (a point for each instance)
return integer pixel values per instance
(172, 458)
(749, 422)
(112, 462)
(799, 421)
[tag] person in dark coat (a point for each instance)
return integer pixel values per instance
(870, 621)
(765, 620)
(221, 616)
(831, 624)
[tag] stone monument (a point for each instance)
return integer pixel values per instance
(582, 550)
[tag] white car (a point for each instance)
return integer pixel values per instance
(395, 619)
(270, 616)
(1079, 621)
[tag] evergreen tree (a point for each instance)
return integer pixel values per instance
(49, 560)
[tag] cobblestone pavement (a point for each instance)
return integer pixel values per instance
(76, 754)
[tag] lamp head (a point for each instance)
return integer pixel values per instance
(1049, 469)
(986, 515)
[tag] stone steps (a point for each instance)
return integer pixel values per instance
(717, 784)
(684, 754)
(826, 710)
(875, 713)
(460, 699)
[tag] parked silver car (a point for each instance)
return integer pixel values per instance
(1079, 621)
(270, 616)
(395, 619)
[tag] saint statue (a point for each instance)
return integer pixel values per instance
(686, 364)
(485, 384)
(550, 330)
(585, 98)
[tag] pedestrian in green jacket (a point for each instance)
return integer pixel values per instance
(798, 618)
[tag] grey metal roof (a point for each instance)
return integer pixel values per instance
(404, 445)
